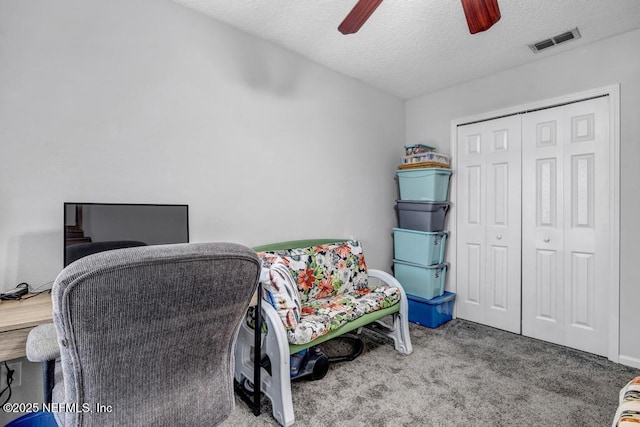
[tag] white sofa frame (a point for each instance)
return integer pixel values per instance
(277, 384)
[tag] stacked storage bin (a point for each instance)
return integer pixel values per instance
(419, 241)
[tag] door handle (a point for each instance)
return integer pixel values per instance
(546, 240)
(499, 237)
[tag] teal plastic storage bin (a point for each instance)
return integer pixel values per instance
(431, 184)
(424, 281)
(431, 312)
(419, 247)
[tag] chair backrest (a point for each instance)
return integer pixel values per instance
(146, 333)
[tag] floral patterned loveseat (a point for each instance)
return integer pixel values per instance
(316, 290)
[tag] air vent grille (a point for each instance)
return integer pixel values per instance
(564, 37)
(544, 44)
(555, 40)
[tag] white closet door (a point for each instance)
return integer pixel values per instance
(543, 225)
(565, 220)
(488, 223)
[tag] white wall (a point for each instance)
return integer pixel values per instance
(146, 101)
(149, 102)
(611, 61)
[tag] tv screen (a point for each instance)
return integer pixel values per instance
(96, 227)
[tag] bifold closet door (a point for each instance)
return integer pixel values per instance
(489, 223)
(565, 223)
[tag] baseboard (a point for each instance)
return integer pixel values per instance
(634, 362)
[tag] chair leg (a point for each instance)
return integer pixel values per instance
(48, 373)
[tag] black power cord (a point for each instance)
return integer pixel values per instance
(10, 373)
(15, 293)
(19, 292)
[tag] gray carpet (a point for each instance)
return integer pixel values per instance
(461, 374)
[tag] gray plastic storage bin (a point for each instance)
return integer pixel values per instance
(422, 216)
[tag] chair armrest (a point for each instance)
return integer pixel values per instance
(42, 343)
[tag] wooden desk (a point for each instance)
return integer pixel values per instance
(17, 318)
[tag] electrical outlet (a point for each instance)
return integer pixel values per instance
(17, 375)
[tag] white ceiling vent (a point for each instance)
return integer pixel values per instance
(560, 38)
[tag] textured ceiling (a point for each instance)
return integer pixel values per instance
(413, 47)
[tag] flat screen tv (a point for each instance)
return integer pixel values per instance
(96, 227)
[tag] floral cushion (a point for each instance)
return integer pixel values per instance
(324, 270)
(324, 315)
(333, 286)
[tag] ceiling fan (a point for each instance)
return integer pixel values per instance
(480, 14)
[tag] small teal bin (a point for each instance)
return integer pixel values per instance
(419, 247)
(430, 184)
(424, 281)
(431, 312)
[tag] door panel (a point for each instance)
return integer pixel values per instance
(582, 291)
(474, 272)
(498, 278)
(488, 226)
(474, 194)
(499, 209)
(564, 225)
(470, 248)
(546, 303)
(586, 238)
(542, 225)
(546, 184)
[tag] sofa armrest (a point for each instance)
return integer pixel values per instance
(392, 281)
(386, 278)
(42, 343)
(400, 331)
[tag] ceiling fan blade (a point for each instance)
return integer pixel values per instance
(481, 14)
(358, 16)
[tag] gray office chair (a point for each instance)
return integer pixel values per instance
(145, 334)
